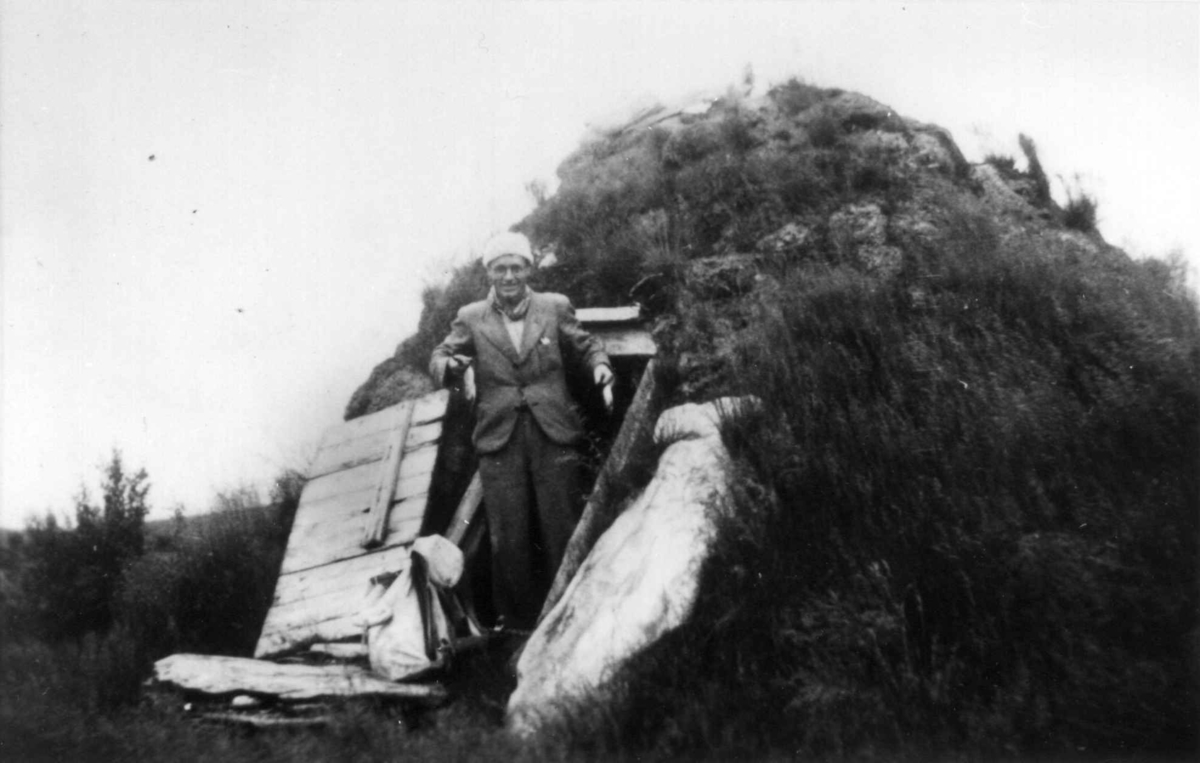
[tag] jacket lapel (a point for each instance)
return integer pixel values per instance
(494, 331)
(535, 324)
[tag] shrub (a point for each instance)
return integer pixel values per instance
(1035, 171)
(71, 574)
(1080, 213)
(825, 131)
(1003, 163)
(211, 592)
(795, 96)
(691, 143)
(738, 129)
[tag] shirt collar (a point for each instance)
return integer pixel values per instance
(514, 313)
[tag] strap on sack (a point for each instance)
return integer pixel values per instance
(420, 581)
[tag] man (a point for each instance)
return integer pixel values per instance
(526, 425)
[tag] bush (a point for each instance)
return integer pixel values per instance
(211, 591)
(795, 96)
(1035, 171)
(1003, 163)
(825, 131)
(70, 575)
(1080, 213)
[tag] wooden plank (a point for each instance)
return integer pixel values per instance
(338, 483)
(465, 511)
(332, 592)
(350, 453)
(292, 635)
(326, 532)
(598, 514)
(339, 509)
(589, 316)
(425, 434)
(339, 513)
(408, 487)
(383, 420)
(354, 443)
(375, 528)
(294, 627)
(627, 342)
(334, 543)
(211, 674)
(431, 407)
(327, 617)
(419, 462)
(343, 577)
(343, 651)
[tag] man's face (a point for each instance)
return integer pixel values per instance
(509, 274)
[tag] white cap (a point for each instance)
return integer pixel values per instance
(507, 243)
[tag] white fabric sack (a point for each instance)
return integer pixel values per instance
(443, 559)
(395, 628)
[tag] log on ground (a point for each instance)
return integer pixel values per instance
(211, 674)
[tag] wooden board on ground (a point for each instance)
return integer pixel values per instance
(356, 519)
(211, 674)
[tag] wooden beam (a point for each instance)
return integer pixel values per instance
(465, 512)
(627, 342)
(599, 514)
(212, 674)
(376, 525)
(590, 316)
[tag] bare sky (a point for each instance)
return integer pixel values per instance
(216, 217)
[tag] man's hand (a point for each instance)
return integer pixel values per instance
(456, 365)
(468, 385)
(604, 380)
(459, 367)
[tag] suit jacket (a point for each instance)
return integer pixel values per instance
(508, 378)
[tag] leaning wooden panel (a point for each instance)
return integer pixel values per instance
(325, 572)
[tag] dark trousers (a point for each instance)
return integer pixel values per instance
(533, 499)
